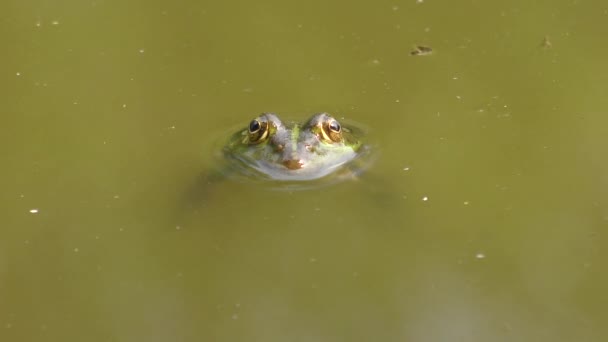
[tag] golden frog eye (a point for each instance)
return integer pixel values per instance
(258, 131)
(334, 126)
(332, 130)
(254, 126)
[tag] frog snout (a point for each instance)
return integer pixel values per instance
(293, 164)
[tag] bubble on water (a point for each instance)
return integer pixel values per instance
(34, 211)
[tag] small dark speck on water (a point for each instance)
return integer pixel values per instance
(420, 50)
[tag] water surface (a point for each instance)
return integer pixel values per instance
(483, 218)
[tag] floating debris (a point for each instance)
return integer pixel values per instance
(420, 50)
(546, 43)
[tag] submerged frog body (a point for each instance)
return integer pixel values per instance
(269, 149)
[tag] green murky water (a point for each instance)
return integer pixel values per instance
(483, 219)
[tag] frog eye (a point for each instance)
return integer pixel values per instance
(331, 130)
(258, 131)
(334, 126)
(254, 126)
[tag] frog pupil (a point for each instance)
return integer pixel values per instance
(334, 126)
(254, 126)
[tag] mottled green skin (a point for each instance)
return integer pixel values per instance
(293, 153)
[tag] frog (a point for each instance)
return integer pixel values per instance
(319, 148)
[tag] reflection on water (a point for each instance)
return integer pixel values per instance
(481, 219)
